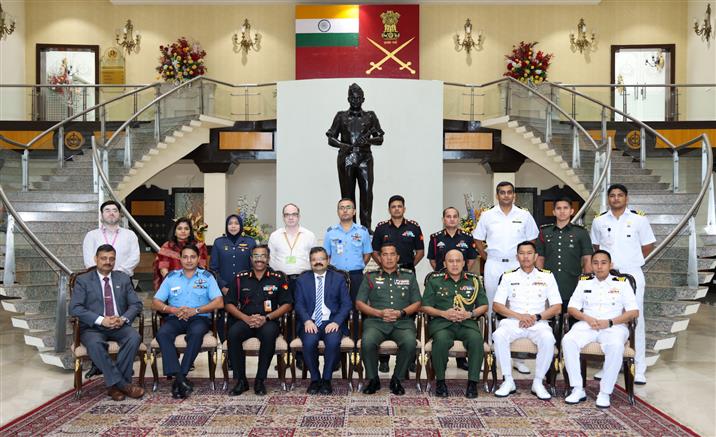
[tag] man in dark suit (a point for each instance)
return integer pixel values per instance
(105, 303)
(322, 306)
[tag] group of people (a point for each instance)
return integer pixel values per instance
(530, 275)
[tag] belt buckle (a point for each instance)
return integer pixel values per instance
(505, 260)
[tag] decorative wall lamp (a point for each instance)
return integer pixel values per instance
(245, 43)
(126, 39)
(656, 62)
(7, 24)
(580, 40)
(468, 43)
(705, 30)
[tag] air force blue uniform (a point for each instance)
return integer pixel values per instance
(346, 250)
(178, 291)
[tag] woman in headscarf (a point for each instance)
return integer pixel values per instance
(168, 257)
(230, 255)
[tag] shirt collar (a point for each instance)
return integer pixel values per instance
(627, 211)
(101, 276)
(390, 220)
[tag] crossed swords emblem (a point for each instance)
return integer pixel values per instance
(390, 55)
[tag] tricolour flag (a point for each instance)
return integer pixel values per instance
(327, 26)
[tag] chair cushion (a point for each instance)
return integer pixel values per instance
(180, 342)
(113, 348)
(457, 349)
(525, 345)
(253, 344)
(594, 348)
(388, 347)
(346, 344)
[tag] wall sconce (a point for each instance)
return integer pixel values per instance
(705, 30)
(245, 43)
(580, 40)
(468, 43)
(620, 85)
(7, 24)
(129, 42)
(656, 62)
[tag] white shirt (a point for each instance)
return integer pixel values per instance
(125, 243)
(99, 319)
(605, 299)
(503, 232)
(527, 293)
(623, 237)
(290, 255)
(326, 312)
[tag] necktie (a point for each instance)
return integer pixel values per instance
(318, 310)
(108, 301)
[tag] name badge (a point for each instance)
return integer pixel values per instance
(339, 248)
(175, 290)
(290, 259)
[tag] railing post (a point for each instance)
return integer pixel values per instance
(84, 103)
(246, 103)
(574, 103)
(33, 105)
(624, 104)
(675, 103)
(9, 272)
(158, 117)
(201, 96)
(25, 163)
(575, 148)
(642, 148)
(95, 172)
(61, 313)
(128, 147)
(711, 211)
(608, 176)
(105, 162)
(692, 272)
(135, 103)
(508, 98)
(548, 125)
(102, 125)
(61, 146)
(604, 125)
(472, 104)
(675, 174)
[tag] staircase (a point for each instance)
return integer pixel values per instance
(61, 208)
(668, 300)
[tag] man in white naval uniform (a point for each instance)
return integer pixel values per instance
(502, 227)
(521, 297)
(628, 237)
(603, 304)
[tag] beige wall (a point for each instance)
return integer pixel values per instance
(616, 22)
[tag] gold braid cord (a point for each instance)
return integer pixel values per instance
(459, 301)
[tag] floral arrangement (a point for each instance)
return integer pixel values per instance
(63, 76)
(197, 224)
(252, 227)
(181, 61)
(525, 65)
(474, 211)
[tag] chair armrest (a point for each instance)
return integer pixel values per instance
(75, 331)
(632, 333)
(155, 323)
(213, 316)
(141, 325)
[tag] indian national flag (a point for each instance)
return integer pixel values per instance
(327, 26)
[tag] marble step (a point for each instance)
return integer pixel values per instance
(705, 251)
(29, 276)
(63, 360)
(659, 308)
(665, 279)
(645, 197)
(30, 306)
(38, 263)
(48, 237)
(76, 179)
(667, 293)
(652, 357)
(667, 263)
(659, 341)
(37, 291)
(33, 206)
(638, 186)
(50, 196)
(74, 186)
(62, 227)
(666, 324)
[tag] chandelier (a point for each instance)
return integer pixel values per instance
(245, 43)
(468, 43)
(128, 40)
(7, 24)
(580, 40)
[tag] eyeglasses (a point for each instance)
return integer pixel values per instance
(291, 214)
(345, 208)
(259, 256)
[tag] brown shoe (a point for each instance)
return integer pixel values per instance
(133, 391)
(115, 394)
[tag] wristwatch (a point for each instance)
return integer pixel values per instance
(197, 310)
(124, 319)
(611, 323)
(538, 316)
(403, 314)
(473, 315)
(268, 319)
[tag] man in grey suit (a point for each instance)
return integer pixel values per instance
(106, 304)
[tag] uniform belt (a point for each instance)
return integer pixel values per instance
(505, 260)
(292, 277)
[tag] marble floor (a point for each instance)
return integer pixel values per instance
(682, 383)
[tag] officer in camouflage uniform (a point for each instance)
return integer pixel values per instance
(455, 299)
(388, 298)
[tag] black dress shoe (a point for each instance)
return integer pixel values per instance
(471, 390)
(383, 364)
(314, 387)
(93, 371)
(372, 387)
(441, 389)
(175, 390)
(179, 390)
(462, 363)
(259, 387)
(240, 387)
(395, 387)
(189, 383)
(326, 388)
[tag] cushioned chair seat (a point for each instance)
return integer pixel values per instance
(180, 342)
(112, 348)
(594, 348)
(525, 345)
(456, 349)
(388, 347)
(253, 344)
(346, 344)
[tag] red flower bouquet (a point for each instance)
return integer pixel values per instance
(525, 65)
(181, 61)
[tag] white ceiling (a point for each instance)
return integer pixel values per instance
(237, 2)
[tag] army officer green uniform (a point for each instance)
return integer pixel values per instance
(444, 293)
(390, 288)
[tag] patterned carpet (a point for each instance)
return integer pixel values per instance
(279, 414)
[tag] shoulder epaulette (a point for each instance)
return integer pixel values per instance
(362, 227)
(328, 229)
(277, 273)
(404, 270)
(371, 272)
(619, 278)
(382, 223)
(544, 270)
(432, 275)
(602, 213)
(412, 221)
(586, 277)
(577, 225)
(512, 271)
(471, 275)
(638, 212)
(244, 273)
(174, 273)
(206, 273)
(546, 225)
(435, 234)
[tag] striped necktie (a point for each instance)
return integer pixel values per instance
(318, 310)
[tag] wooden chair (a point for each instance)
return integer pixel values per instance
(79, 351)
(593, 352)
(210, 344)
(251, 349)
(457, 351)
(525, 348)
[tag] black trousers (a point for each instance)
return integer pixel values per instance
(239, 332)
(357, 167)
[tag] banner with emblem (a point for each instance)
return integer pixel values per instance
(335, 41)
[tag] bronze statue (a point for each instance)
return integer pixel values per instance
(353, 132)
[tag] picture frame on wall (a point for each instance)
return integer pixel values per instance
(66, 64)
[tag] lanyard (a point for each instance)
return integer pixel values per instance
(104, 234)
(291, 246)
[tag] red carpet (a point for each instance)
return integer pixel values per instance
(208, 412)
